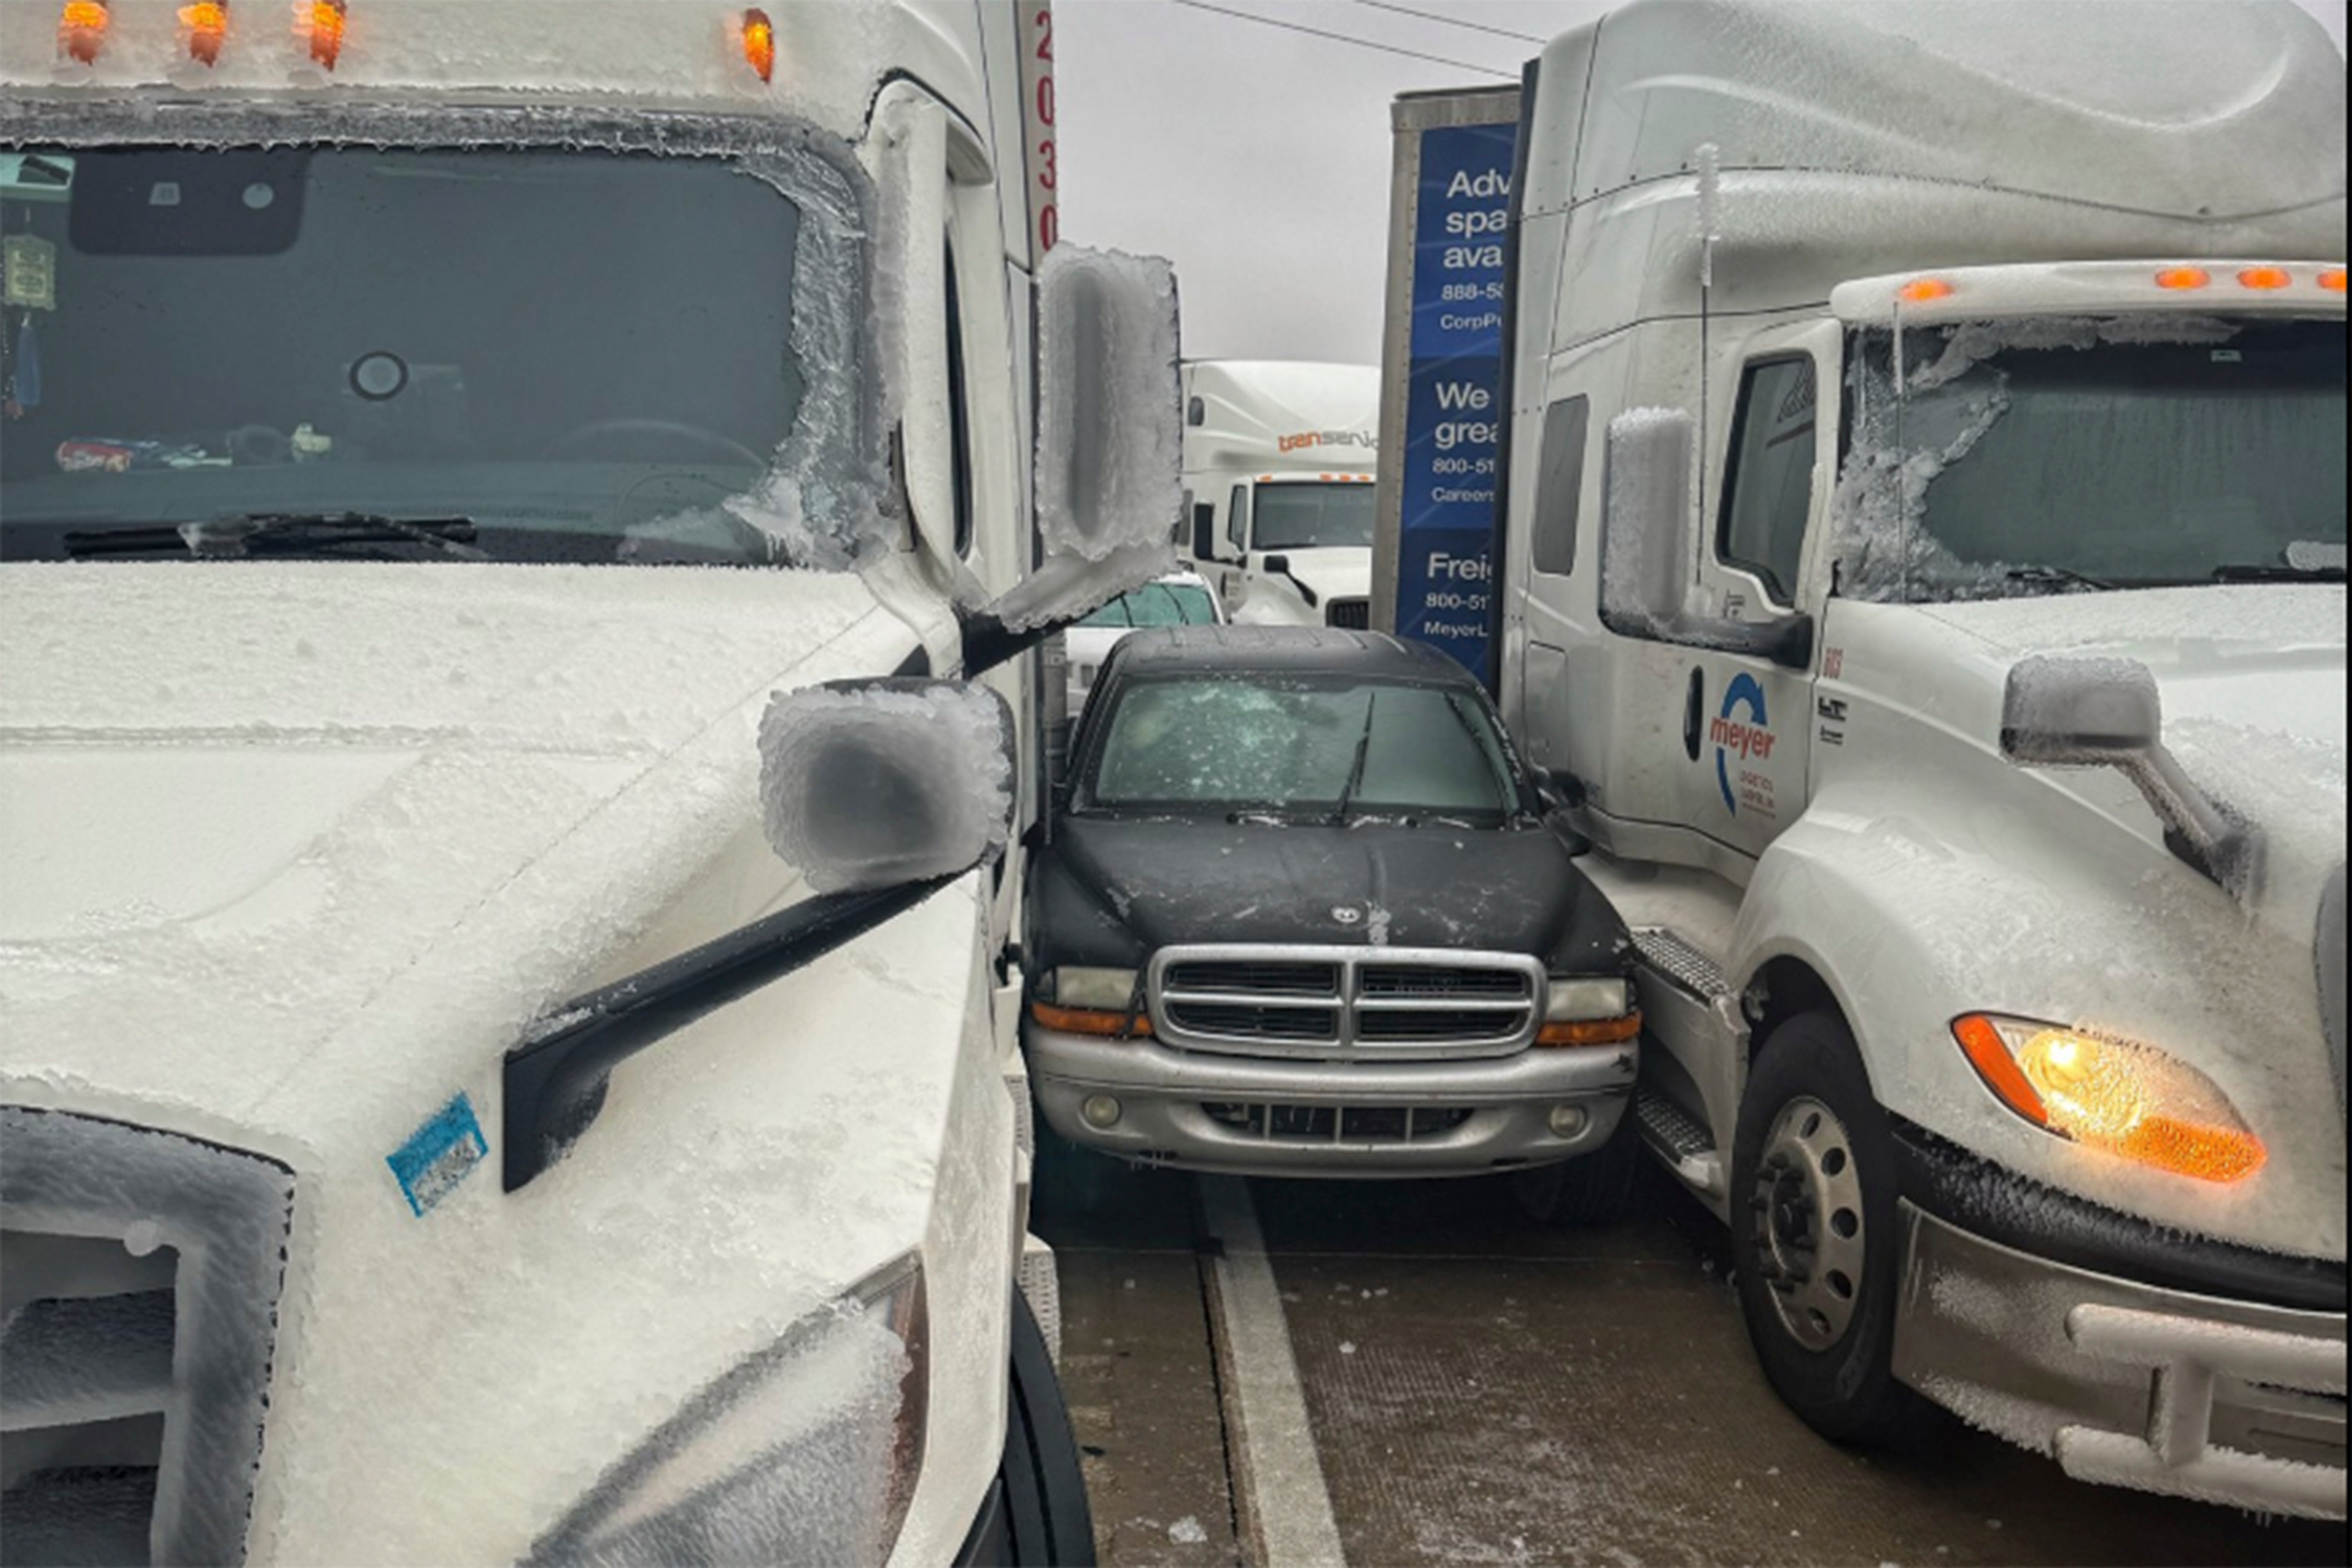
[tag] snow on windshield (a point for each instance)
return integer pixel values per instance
(2053, 454)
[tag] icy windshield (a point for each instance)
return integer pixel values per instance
(1158, 605)
(579, 353)
(1312, 516)
(1228, 743)
(1993, 459)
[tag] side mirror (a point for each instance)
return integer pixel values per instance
(1109, 449)
(1649, 541)
(881, 792)
(1276, 565)
(1279, 566)
(1204, 538)
(2065, 712)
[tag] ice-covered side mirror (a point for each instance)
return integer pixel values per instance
(1111, 439)
(863, 784)
(880, 792)
(1649, 547)
(2080, 712)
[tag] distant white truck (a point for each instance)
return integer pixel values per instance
(1279, 476)
(1923, 571)
(467, 470)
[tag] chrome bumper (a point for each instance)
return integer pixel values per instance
(2123, 1384)
(1162, 1096)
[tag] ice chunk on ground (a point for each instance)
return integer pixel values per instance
(876, 782)
(1187, 1531)
(1108, 477)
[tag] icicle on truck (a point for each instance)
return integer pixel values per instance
(467, 470)
(1923, 554)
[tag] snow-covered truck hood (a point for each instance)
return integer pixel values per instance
(2053, 894)
(1333, 574)
(290, 855)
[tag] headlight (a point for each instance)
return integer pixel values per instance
(1077, 999)
(1077, 986)
(1587, 1010)
(805, 1452)
(2118, 1095)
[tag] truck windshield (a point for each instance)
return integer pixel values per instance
(1312, 516)
(579, 353)
(2059, 455)
(1235, 743)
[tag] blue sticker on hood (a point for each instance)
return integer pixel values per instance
(438, 1155)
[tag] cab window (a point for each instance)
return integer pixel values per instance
(1768, 490)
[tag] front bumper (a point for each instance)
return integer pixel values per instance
(2126, 1384)
(1255, 1117)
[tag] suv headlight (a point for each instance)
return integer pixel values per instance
(805, 1452)
(2114, 1094)
(1080, 999)
(1589, 1010)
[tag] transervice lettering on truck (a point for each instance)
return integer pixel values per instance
(1454, 411)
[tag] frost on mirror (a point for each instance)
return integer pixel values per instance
(1109, 432)
(868, 783)
(1646, 540)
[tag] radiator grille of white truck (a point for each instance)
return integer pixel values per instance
(1356, 1004)
(1349, 615)
(139, 1281)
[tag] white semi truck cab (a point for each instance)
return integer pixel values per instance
(1279, 477)
(469, 474)
(1923, 563)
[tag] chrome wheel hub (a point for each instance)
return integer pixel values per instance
(1806, 1217)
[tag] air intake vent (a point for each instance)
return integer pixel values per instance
(139, 1281)
(1349, 615)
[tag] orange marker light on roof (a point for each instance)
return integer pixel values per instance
(2332, 280)
(759, 43)
(207, 26)
(1920, 290)
(81, 29)
(2183, 278)
(328, 18)
(2265, 278)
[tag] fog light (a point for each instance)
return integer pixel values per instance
(1568, 1121)
(1100, 1110)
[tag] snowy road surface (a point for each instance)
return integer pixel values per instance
(1414, 1373)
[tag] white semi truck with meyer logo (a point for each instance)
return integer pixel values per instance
(471, 474)
(1279, 476)
(1922, 567)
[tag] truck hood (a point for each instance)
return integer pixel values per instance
(2253, 677)
(264, 822)
(1334, 573)
(1112, 890)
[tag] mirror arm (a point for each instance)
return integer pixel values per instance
(1308, 595)
(555, 1081)
(988, 642)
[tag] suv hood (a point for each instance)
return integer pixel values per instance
(263, 821)
(1112, 890)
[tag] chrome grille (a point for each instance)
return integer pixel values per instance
(139, 1281)
(1345, 1004)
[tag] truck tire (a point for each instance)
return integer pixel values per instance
(1590, 1191)
(1814, 1232)
(1047, 1520)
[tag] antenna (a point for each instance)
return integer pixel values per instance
(1710, 229)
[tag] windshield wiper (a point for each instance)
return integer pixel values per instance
(278, 534)
(2055, 577)
(1356, 768)
(2250, 573)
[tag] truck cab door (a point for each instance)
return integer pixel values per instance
(1746, 722)
(1230, 573)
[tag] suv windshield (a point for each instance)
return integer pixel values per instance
(1312, 516)
(577, 350)
(1158, 605)
(2057, 456)
(1287, 745)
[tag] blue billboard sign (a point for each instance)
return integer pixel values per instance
(1454, 403)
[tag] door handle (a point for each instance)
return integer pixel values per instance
(1692, 710)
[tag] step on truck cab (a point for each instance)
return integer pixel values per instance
(1278, 478)
(469, 473)
(1923, 559)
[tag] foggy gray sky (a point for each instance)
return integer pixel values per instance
(1257, 160)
